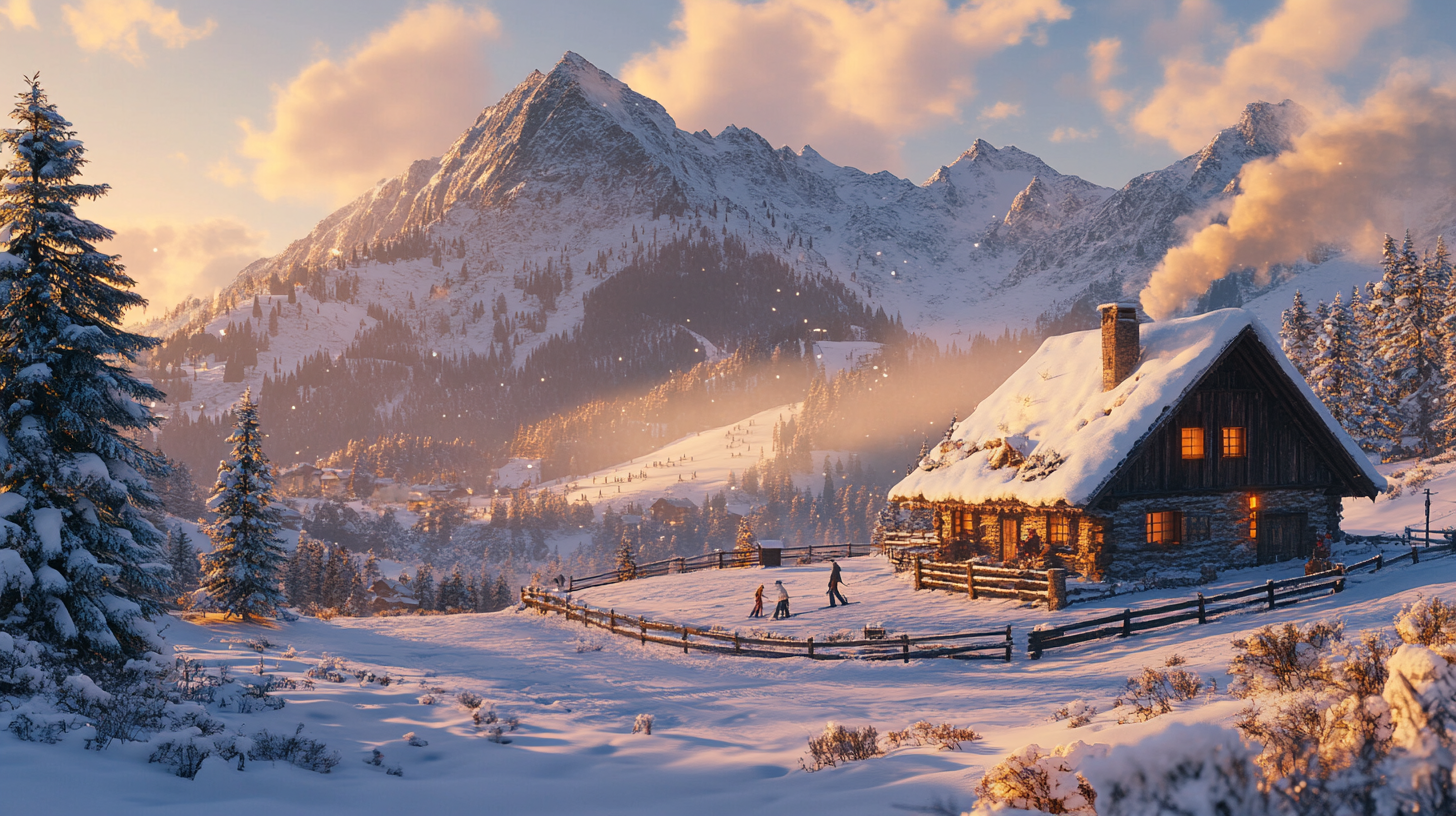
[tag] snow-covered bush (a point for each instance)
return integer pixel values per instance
(330, 667)
(1077, 714)
(415, 740)
(296, 749)
(839, 744)
(945, 737)
(643, 724)
(1031, 779)
(1429, 622)
(1186, 769)
(469, 700)
(1283, 658)
(1420, 772)
(1153, 692)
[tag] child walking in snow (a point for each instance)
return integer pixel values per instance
(757, 603)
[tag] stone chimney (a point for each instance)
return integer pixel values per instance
(1121, 342)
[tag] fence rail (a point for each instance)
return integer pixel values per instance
(1271, 595)
(722, 559)
(979, 580)
(995, 645)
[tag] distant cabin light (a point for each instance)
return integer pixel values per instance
(877, 253)
(696, 349)
(976, 244)
(528, 467)
(434, 354)
(294, 407)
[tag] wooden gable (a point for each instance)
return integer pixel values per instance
(1286, 442)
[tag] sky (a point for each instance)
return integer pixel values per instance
(227, 129)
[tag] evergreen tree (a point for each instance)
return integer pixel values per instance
(370, 572)
(424, 587)
(246, 563)
(182, 558)
(504, 596)
(74, 478)
(745, 541)
(626, 558)
(1334, 373)
(1382, 430)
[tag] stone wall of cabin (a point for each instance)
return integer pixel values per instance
(1129, 557)
(1083, 554)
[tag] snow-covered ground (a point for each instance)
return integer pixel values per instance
(729, 732)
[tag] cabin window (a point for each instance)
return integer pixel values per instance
(1253, 517)
(1163, 527)
(1234, 444)
(1059, 530)
(1192, 443)
(1197, 527)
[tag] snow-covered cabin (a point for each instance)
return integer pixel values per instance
(1145, 448)
(672, 511)
(300, 480)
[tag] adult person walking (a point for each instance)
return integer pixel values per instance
(757, 603)
(782, 609)
(835, 579)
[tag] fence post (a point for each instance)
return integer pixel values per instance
(685, 640)
(737, 646)
(642, 622)
(570, 583)
(1415, 555)
(720, 559)
(971, 580)
(1379, 561)
(1202, 612)
(905, 647)
(1340, 584)
(1127, 623)
(1269, 590)
(613, 627)
(1056, 589)
(811, 646)
(1008, 643)
(1033, 644)
(917, 572)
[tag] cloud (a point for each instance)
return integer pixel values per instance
(1071, 134)
(224, 172)
(19, 14)
(1290, 54)
(854, 78)
(1104, 65)
(171, 261)
(1001, 110)
(403, 95)
(1348, 179)
(114, 25)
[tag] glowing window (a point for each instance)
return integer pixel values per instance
(1234, 444)
(1059, 530)
(1253, 517)
(1164, 527)
(1192, 443)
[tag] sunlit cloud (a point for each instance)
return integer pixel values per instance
(1072, 134)
(1001, 110)
(1290, 54)
(172, 261)
(116, 25)
(1104, 65)
(19, 14)
(405, 94)
(854, 79)
(224, 172)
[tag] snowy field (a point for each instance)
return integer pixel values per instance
(729, 732)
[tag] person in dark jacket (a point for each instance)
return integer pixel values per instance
(834, 581)
(782, 609)
(757, 603)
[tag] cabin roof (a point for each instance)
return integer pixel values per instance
(1073, 436)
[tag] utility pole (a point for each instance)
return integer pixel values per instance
(1429, 494)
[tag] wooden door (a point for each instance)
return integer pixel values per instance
(1282, 537)
(1010, 538)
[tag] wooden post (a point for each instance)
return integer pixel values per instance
(737, 646)
(811, 646)
(905, 646)
(917, 573)
(1056, 589)
(1127, 623)
(720, 559)
(971, 580)
(811, 553)
(570, 582)
(1033, 644)
(1202, 612)
(685, 640)
(613, 627)
(1008, 643)
(1269, 590)
(1415, 555)
(1379, 561)
(642, 622)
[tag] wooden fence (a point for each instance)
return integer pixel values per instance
(722, 559)
(1272, 595)
(987, 646)
(981, 581)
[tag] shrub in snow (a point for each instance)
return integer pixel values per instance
(1283, 658)
(839, 744)
(643, 724)
(414, 740)
(1429, 622)
(1031, 779)
(1420, 771)
(1152, 693)
(376, 759)
(184, 754)
(296, 749)
(469, 700)
(1188, 770)
(1076, 713)
(945, 737)
(330, 667)
(246, 563)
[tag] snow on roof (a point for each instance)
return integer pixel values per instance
(682, 503)
(1072, 434)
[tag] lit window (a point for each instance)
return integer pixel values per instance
(1234, 442)
(1164, 527)
(1059, 530)
(1253, 517)
(1192, 443)
(1197, 528)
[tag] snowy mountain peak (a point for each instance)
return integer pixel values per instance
(1271, 128)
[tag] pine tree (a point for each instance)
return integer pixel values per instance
(626, 558)
(182, 558)
(745, 541)
(424, 587)
(246, 563)
(1334, 374)
(1383, 430)
(73, 476)
(370, 573)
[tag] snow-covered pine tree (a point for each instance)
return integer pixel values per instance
(82, 573)
(1333, 373)
(1383, 428)
(424, 587)
(370, 572)
(1297, 333)
(1414, 349)
(183, 559)
(626, 558)
(745, 541)
(245, 566)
